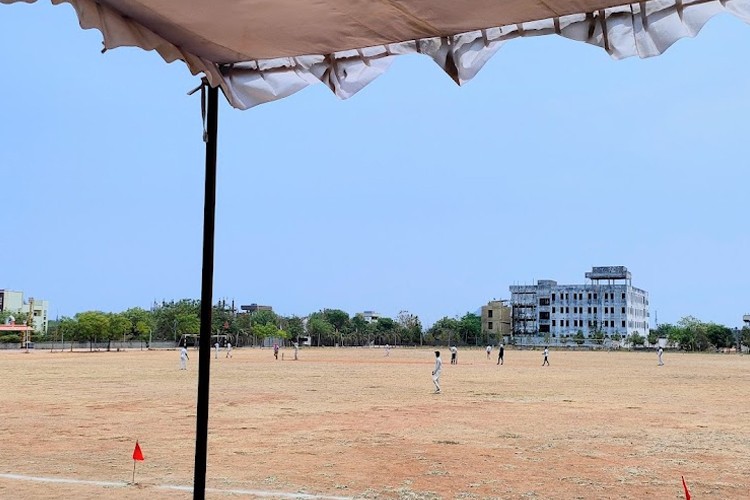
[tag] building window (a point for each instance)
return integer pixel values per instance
(554, 322)
(589, 295)
(623, 310)
(489, 313)
(589, 310)
(623, 296)
(553, 310)
(544, 302)
(623, 323)
(595, 295)
(595, 308)
(567, 322)
(567, 310)
(489, 324)
(544, 328)
(543, 315)
(553, 297)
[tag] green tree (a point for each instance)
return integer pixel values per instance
(186, 323)
(745, 336)
(266, 331)
(690, 334)
(67, 328)
(295, 327)
(119, 326)
(411, 327)
(141, 322)
(19, 317)
(637, 339)
(243, 323)
(318, 328)
(444, 331)
(579, 337)
(598, 337)
(470, 329)
(223, 320)
(340, 321)
(653, 336)
(719, 335)
(362, 329)
(92, 326)
(264, 318)
(173, 319)
(386, 331)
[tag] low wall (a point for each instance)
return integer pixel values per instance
(86, 346)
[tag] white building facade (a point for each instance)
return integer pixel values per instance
(607, 304)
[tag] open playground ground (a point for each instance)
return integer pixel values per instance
(354, 423)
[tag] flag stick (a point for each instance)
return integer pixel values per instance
(133, 471)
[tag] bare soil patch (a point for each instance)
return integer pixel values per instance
(354, 423)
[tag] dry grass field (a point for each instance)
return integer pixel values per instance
(354, 423)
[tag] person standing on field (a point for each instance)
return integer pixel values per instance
(276, 351)
(546, 353)
(216, 350)
(229, 350)
(183, 358)
(489, 350)
(660, 353)
(436, 372)
(454, 355)
(500, 354)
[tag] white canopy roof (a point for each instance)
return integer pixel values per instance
(262, 50)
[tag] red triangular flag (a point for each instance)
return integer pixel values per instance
(137, 453)
(687, 493)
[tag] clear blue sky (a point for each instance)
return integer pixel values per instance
(415, 194)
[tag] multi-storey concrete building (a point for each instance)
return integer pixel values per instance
(13, 302)
(608, 304)
(496, 319)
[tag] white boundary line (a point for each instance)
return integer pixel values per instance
(19, 477)
(255, 493)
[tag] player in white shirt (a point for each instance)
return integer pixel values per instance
(183, 358)
(436, 372)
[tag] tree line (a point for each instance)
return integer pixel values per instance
(169, 320)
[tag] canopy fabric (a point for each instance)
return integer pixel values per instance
(260, 51)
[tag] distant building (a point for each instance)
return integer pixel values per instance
(608, 304)
(496, 319)
(12, 301)
(746, 320)
(369, 316)
(255, 307)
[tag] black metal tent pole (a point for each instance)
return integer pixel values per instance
(207, 280)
